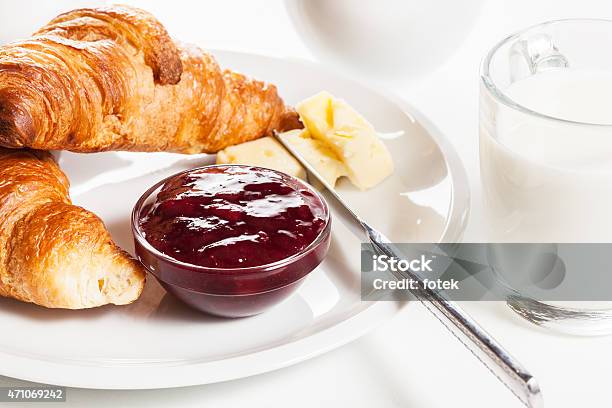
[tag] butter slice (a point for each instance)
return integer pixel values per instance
(318, 154)
(264, 152)
(352, 138)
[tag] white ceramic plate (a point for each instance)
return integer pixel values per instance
(157, 342)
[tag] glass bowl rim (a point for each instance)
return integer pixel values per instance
(217, 270)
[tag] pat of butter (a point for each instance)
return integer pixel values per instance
(352, 138)
(264, 152)
(318, 154)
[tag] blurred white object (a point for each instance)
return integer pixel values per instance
(384, 38)
(19, 19)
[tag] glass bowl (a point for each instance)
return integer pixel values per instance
(229, 292)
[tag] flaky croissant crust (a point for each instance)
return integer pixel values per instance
(53, 253)
(112, 79)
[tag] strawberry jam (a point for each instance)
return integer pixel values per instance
(232, 240)
(232, 217)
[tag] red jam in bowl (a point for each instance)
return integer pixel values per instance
(231, 240)
(232, 217)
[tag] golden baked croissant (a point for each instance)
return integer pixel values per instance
(53, 253)
(112, 79)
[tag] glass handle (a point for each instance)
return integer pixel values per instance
(534, 54)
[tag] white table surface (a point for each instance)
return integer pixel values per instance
(410, 361)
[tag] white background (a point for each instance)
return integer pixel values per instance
(410, 361)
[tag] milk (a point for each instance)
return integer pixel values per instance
(580, 96)
(546, 180)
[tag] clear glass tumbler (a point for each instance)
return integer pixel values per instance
(546, 153)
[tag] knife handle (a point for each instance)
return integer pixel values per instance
(482, 345)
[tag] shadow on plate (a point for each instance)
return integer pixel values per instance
(97, 163)
(154, 303)
(121, 232)
(35, 312)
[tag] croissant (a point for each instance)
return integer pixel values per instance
(112, 79)
(53, 253)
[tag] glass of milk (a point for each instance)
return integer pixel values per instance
(546, 153)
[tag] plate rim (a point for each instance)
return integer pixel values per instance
(368, 316)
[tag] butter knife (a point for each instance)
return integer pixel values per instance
(482, 345)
